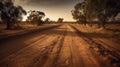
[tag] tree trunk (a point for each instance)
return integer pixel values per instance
(99, 25)
(8, 26)
(103, 24)
(90, 23)
(102, 20)
(85, 22)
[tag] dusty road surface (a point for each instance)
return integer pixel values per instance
(60, 46)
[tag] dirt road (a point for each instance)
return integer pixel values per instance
(61, 46)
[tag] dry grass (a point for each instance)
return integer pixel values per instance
(23, 27)
(112, 30)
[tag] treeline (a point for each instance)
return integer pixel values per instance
(36, 17)
(100, 11)
(12, 15)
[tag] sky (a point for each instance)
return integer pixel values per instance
(53, 9)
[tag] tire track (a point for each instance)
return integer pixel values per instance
(54, 63)
(97, 48)
(63, 57)
(76, 58)
(12, 59)
(86, 59)
(42, 58)
(6, 42)
(11, 53)
(45, 56)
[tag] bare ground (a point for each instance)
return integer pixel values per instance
(67, 45)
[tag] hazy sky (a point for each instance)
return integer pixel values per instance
(52, 8)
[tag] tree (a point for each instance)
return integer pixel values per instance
(35, 17)
(78, 14)
(10, 13)
(100, 9)
(60, 20)
(47, 20)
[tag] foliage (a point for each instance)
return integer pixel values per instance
(60, 20)
(97, 9)
(47, 20)
(35, 17)
(78, 14)
(10, 13)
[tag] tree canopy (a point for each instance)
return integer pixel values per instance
(47, 20)
(99, 9)
(60, 20)
(10, 13)
(35, 16)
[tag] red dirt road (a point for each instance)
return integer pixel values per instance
(61, 46)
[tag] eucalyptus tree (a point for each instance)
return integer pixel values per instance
(10, 13)
(100, 9)
(35, 17)
(47, 20)
(60, 20)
